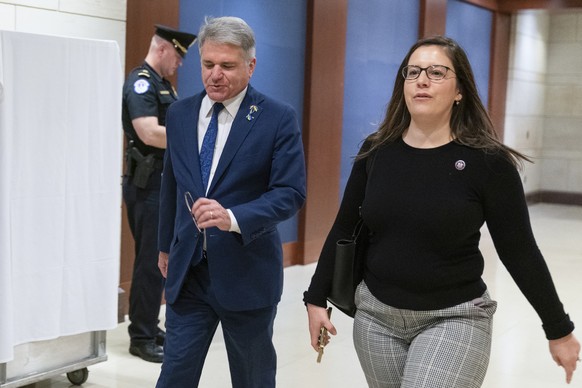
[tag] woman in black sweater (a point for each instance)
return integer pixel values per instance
(427, 180)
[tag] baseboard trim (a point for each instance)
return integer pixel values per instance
(555, 197)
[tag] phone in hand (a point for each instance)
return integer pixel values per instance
(322, 339)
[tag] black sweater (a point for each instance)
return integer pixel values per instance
(425, 209)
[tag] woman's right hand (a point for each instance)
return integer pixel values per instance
(317, 319)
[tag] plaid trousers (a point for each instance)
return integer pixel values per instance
(446, 348)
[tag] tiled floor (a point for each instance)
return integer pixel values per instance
(520, 358)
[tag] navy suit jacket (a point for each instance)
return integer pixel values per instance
(260, 177)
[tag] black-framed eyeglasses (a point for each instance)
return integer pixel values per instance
(189, 203)
(433, 72)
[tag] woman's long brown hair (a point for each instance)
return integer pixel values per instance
(470, 122)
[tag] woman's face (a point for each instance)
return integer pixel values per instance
(429, 98)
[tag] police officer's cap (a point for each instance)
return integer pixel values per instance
(181, 40)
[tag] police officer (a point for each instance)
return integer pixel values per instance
(146, 96)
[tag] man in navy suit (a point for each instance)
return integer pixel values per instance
(220, 250)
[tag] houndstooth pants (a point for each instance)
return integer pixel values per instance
(446, 348)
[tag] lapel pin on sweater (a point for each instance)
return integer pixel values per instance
(460, 165)
(252, 110)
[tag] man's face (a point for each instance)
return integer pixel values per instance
(225, 72)
(170, 62)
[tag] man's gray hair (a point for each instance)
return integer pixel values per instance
(228, 30)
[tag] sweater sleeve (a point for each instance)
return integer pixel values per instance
(508, 221)
(346, 219)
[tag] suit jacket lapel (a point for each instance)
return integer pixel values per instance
(189, 140)
(246, 117)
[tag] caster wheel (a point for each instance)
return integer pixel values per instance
(78, 377)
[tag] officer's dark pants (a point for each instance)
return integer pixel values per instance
(147, 282)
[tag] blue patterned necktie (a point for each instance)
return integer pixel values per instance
(207, 149)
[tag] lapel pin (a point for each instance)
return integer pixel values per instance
(460, 165)
(252, 110)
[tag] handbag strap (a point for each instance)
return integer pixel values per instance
(358, 227)
(360, 223)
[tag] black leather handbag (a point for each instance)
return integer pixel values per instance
(348, 270)
(350, 258)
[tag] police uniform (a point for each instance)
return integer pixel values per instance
(146, 94)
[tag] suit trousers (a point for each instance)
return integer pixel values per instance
(400, 348)
(147, 284)
(191, 323)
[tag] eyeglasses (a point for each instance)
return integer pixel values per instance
(433, 72)
(189, 203)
